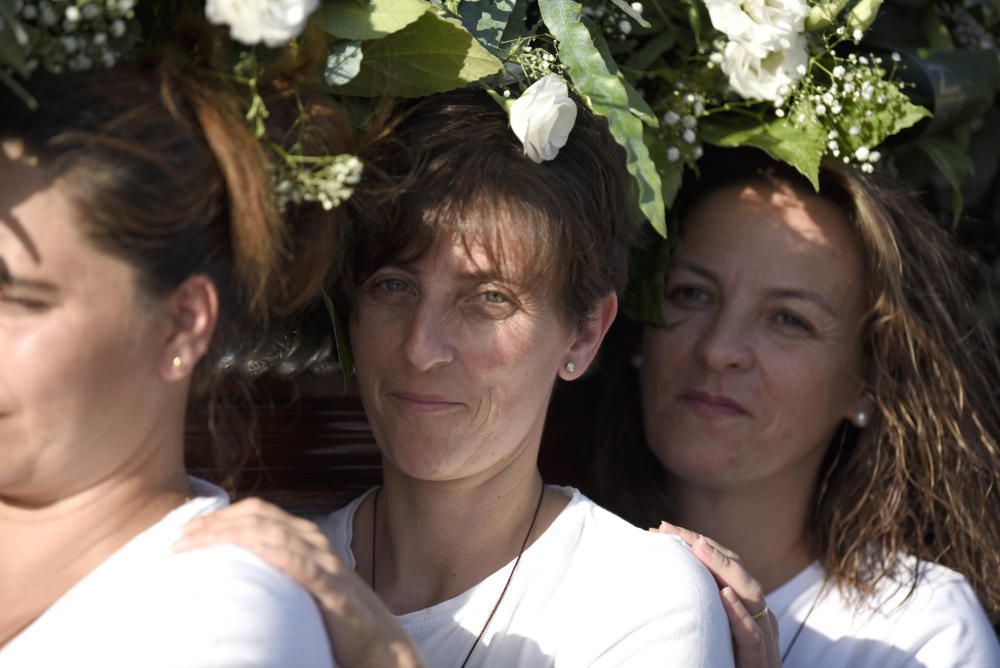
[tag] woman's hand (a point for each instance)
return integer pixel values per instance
(753, 625)
(362, 631)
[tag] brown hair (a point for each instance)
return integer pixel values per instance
(921, 478)
(451, 164)
(167, 176)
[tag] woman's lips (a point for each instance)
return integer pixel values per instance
(423, 402)
(713, 405)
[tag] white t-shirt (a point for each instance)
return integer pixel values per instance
(942, 624)
(148, 606)
(591, 591)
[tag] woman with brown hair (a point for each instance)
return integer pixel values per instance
(821, 399)
(482, 280)
(138, 235)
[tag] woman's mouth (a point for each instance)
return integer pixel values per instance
(713, 405)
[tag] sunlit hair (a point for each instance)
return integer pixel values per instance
(921, 478)
(450, 165)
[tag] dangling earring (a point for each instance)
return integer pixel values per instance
(570, 367)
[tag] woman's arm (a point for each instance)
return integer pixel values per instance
(755, 634)
(362, 631)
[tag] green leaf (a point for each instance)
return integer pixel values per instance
(341, 341)
(671, 173)
(369, 19)
(7, 80)
(800, 146)
(487, 21)
(343, 63)
(605, 93)
(952, 161)
(517, 23)
(428, 56)
(631, 13)
(643, 298)
(905, 114)
(13, 53)
(644, 58)
(636, 104)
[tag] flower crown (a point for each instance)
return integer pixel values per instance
(804, 80)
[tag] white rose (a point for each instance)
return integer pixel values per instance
(543, 117)
(756, 78)
(761, 26)
(273, 22)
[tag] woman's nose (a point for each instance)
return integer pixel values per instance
(725, 344)
(427, 342)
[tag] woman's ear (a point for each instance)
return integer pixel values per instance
(589, 337)
(192, 312)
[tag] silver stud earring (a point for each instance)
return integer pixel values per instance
(861, 419)
(570, 367)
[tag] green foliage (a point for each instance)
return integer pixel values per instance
(801, 146)
(643, 299)
(341, 341)
(953, 163)
(605, 93)
(361, 20)
(430, 55)
(487, 21)
(13, 50)
(631, 13)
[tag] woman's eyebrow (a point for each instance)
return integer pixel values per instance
(695, 268)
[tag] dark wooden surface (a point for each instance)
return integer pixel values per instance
(317, 451)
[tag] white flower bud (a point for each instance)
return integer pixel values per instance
(543, 117)
(673, 154)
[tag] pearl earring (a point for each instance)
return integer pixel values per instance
(177, 362)
(570, 367)
(861, 419)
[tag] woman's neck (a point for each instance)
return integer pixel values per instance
(436, 540)
(763, 521)
(48, 547)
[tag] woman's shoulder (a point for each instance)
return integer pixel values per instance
(649, 586)
(148, 605)
(926, 614)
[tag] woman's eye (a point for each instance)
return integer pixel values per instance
(392, 285)
(25, 304)
(792, 321)
(494, 297)
(687, 295)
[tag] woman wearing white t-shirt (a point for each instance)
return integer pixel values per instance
(136, 232)
(482, 280)
(822, 400)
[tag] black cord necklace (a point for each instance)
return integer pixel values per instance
(520, 553)
(802, 624)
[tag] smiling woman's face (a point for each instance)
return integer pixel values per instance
(455, 363)
(79, 354)
(761, 359)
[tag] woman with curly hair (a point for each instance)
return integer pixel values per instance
(821, 399)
